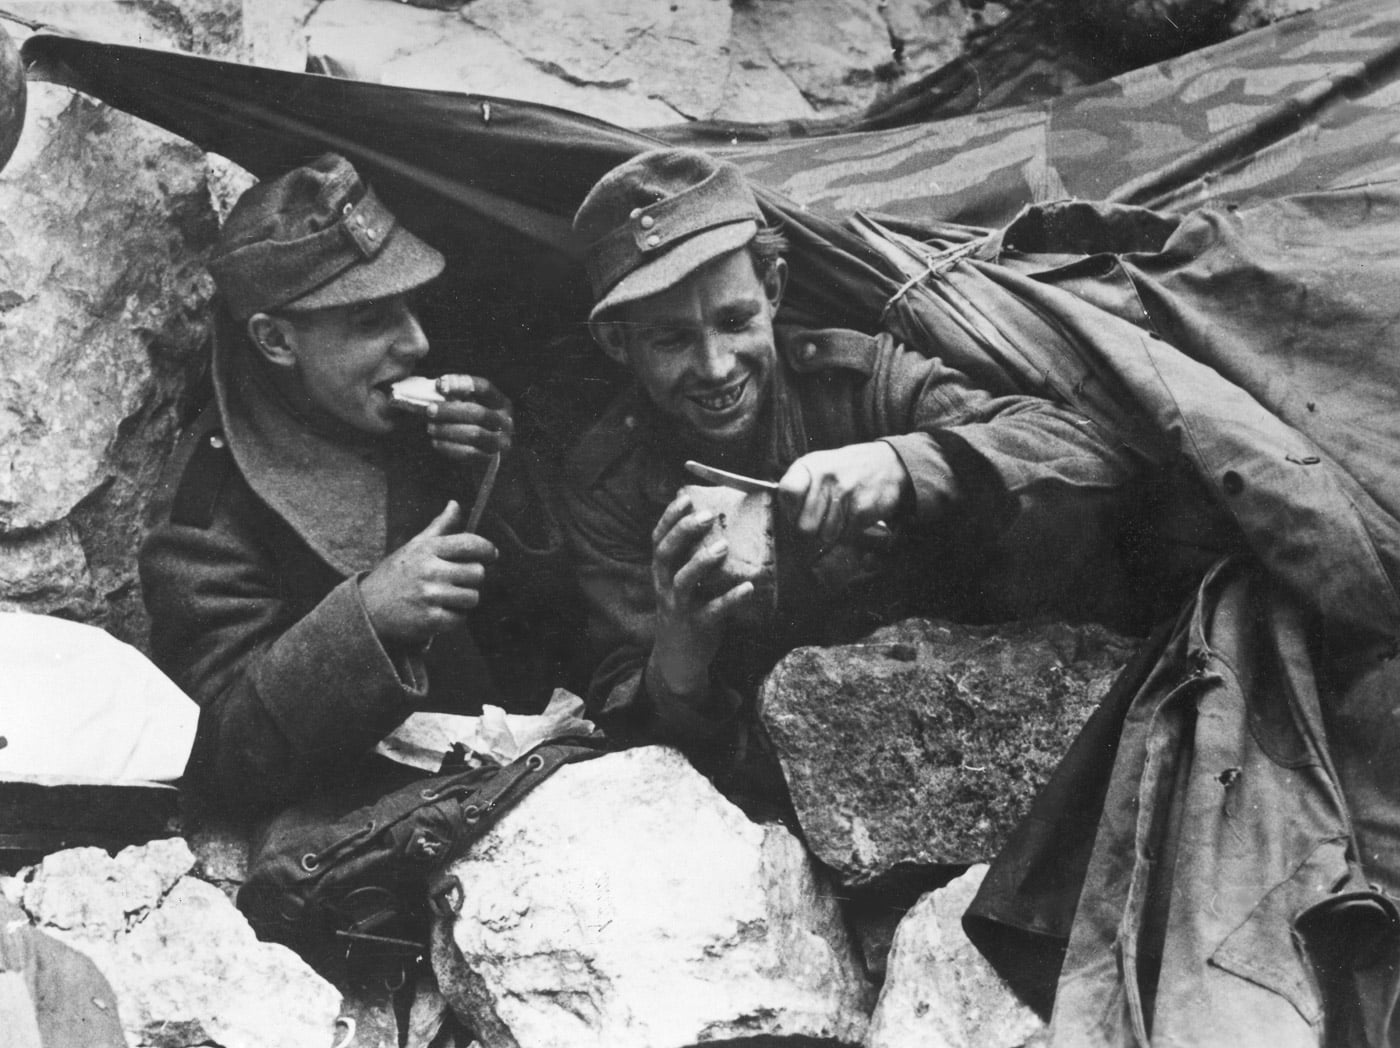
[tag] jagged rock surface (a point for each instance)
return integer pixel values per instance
(185, 966)
(939, 992)
(924, 744)
(626, 904)
(647, 63)
(102, 300)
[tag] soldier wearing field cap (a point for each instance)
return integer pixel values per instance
(861, 433)
(308, 575)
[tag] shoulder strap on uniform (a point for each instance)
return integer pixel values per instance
(807, 350)
(202, 482)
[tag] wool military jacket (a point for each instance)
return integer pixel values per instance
(978, 464)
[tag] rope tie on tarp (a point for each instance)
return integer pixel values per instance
(914, 260)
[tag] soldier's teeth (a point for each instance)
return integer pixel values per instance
(721, 401)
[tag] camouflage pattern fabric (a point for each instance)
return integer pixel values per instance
(1312, 102)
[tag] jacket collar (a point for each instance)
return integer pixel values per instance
(332, 489)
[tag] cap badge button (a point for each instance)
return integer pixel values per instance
(653, 240)
(648, 221)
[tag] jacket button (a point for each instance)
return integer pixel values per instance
(1232, 482)
(653, 240)
(630, 422)
(808, 351)
(216, 441)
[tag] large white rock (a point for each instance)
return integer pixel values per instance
(185, 965)
(643, 63)
(838, 53)
(567, 54)
(626, 904)
(939, 991)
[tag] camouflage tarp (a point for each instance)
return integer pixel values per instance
(1308, 103)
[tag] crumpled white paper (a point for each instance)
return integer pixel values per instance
(423, 739)
(78, 705)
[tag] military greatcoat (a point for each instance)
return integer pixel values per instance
(263, 527)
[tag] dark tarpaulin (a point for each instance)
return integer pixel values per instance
(1295, 107)
(447, 162)
(1305, 104)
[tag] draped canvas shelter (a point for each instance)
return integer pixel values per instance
(1304, 104)
(1217, 844)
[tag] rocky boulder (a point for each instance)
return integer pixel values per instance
(651, 62)
(924, 744)
(102, 302)
(184, 964)
(939, 992)
(626, 904)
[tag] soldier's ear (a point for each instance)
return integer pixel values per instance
(273, 337)
(609, 336)
(774, 279)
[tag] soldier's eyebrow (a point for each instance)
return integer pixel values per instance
(741, 310)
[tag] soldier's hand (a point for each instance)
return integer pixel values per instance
(690, 616)
(837, 494)
(474, 422)
(428, 584)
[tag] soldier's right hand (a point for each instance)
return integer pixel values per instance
(428, 584)
(690, 617)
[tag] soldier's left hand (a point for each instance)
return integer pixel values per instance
(474, 422)
(837, 494)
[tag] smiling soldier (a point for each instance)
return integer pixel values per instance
(864, 435)
(309, 579)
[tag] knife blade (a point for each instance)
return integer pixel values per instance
(729, 480)
(879, 530)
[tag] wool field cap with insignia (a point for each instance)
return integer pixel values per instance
(314, 237)
(652, 221)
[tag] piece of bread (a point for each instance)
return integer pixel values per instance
(415, 393)
(745, 520)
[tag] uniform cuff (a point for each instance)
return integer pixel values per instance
(935, 486)
(329, 671)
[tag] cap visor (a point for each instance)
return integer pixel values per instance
(404, 264)
(669, 269)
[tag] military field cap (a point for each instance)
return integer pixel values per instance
(315, 237)
(654, 220)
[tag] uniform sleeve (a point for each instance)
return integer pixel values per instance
(285, 699)
(964, 448)
(611, 543)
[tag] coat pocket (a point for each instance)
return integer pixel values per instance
(1264, 949)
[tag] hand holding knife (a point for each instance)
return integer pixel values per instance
(878, 530)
